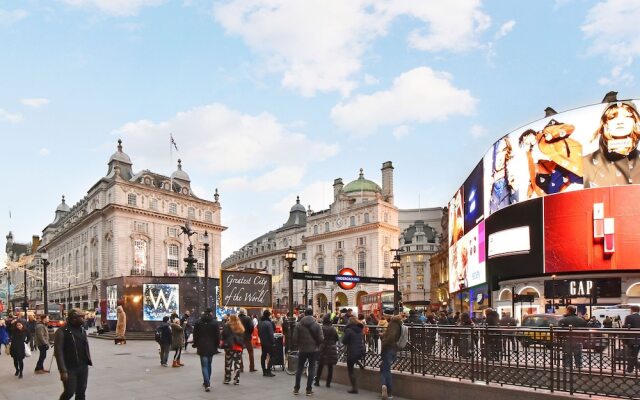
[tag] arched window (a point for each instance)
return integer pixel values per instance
(326, 227)
(321, 265)
(315, 229)
(76, 264)
(366, 218)
(200, 257)
(362, 264)
(191, 212)
(139, 257)
(85, 261)
(172, 260)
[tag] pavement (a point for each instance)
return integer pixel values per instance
(133, 372)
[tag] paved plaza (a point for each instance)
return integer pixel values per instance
(133, 371)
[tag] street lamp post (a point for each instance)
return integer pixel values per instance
(191, 261)
(290, 256)
(305, 268)
(395, 265)
(45, 284)
(553, 294)
(206, 269)
(69, 295)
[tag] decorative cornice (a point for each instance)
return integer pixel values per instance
(350, 230)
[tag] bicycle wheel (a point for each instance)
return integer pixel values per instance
(291, 363)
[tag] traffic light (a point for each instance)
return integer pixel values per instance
(515, 297)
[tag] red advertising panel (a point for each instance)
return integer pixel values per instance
(592, 230)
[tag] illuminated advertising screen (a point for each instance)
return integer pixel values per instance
(592, 230)
(112, 302)
(467, 260)
(456, 217)
(473, 190)
(160, 299)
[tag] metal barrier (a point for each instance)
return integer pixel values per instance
(588, 361)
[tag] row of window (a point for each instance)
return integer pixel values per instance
(352, 222)
(172, 208)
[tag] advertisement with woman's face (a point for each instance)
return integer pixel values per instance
(467, 259)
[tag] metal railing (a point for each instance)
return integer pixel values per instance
(588, 361)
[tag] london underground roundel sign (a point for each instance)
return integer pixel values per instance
(347, 278)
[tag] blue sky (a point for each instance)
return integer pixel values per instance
(270, 99)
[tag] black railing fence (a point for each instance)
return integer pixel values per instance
(588, 361)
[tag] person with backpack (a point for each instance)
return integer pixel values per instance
(164, 337)
(308, 336)
(354, 340)
(389, 351)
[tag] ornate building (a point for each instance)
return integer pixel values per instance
(128, 224)
(440, 268)
(21, 258)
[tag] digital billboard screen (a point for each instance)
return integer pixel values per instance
(467, 260)
(473, 190)
(112, 302)
(159, 300)
(456, 217)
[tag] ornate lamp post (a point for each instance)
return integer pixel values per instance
(395, 265)
(305, 268)
(553, 294)
(206, 269)
(191, 261)
(290, 256)
(45, 283)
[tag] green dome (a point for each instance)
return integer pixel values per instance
(361, 185)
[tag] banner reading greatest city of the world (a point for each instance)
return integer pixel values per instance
(590, 147)
(244, 289)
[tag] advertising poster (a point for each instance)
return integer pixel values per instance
(467, 260)
(245, 289)
(160, 299)
(473, 190)
(571, 243)
(456, 217)
(112, 302)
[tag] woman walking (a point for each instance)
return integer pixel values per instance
(19, 338)
(232, 339)
(121, 326)
(354, 340)
(328, 350)
(177, 341)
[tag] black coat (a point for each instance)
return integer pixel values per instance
(354, 340)
(18, 339)
(308, 335)
(632, 321)
(266, 332)
(230, 338)
(572, 320)
(206, 336)
(247, 322)
(328, 349)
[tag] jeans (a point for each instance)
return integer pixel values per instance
(388, 358)
(631, 350)
(76, 383)
(177, 354)
(205, 365)
(186, 338)
(165, 349)
(572, 350)
(329, 372)
(302, 359)
(43, 354)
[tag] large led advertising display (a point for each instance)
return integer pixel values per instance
(112, 302)
(160, 299)
(589, 147)
(467, 260)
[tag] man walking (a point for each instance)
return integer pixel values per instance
(632, 344)
(389, 351)
(247, 323)
(572, 347)
(206, 336)
(266, 330)
(72, 355)
(42, 343)
(308, 336)
(166, 337)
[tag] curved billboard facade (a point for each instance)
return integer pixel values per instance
(593, 147)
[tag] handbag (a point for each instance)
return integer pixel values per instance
(27, 350)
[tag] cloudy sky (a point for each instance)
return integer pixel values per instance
(270, 99)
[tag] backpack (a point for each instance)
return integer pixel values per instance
(158, 335)
(404, 337)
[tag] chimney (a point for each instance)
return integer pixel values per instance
(337, 188)
(387, 181)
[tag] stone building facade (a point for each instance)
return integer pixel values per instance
(128, 224)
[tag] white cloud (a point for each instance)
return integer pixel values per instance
(370, 80)
(419, 95)
(318, 195)
(43, 151)
(318, 45)
(35, 102)
(11, 17)
(281, 177)
(478, 131)
(8, 117)
(117, 8)
(612, 26)
(400, 132)
(214, 138)
(505, 29)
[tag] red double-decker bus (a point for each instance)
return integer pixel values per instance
(375, 303)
